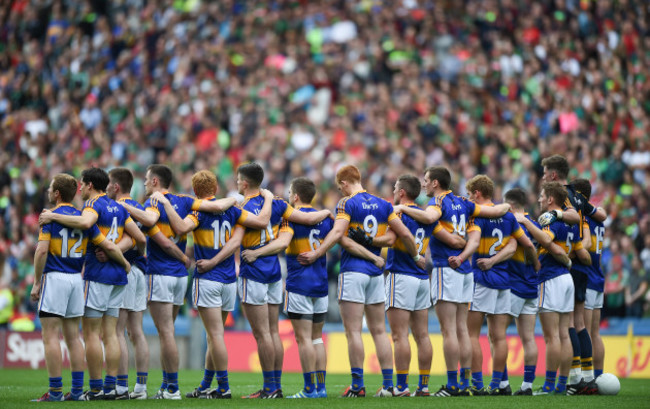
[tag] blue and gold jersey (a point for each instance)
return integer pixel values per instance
(265, 269)
(565, 236)
(370, 213)
(111, 219)
(495, 235)
(399, 260)
(455, 213)
(212, 232)
(595, 276)
(133, 256)
(67, 249)
(523, 278)
(311, 280)
(159, 262)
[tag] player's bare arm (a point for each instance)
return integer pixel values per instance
(136, 234)
(115, 253)
(170, 247)
(428, 216)
(84, 222)
(502, 255)
(147, 217)
(493, 212)
(260, 221)
(404, 233)
(226, 251)
(473, 241)
(40, 257)
(453, 240)
(339, 229)
(360, 251)
(310, 218)
(276, 246)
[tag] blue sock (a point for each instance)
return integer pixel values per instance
(308, 378)
(529, 373)
(109, 383)
(549, 382)
(452, 379)
(123, 380)
(172, 382)
(505, 374)
(268, 381)
(77, 382)
(95, 385)
(586, 351)
(561, 384)
(357, 379)
(496, 379)
(423, 381)
(575, 343)
(56, 387)
(142, 377)
(464, 378)
(402, 380)
(222, 380)
(320, 380)
(597, 372)
(477, 379)
(388, 378)
(206, 382)
(278, 379)
(163, 385)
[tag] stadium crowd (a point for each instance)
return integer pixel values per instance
(302, 87)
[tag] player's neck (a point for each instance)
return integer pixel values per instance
(251, 192)
(298, 204)
(122, 196)
(553, 207)
(483, 201)
(95, 193)
(356, 188)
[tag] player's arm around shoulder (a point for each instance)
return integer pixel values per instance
(333, 237)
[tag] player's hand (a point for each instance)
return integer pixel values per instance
(159, 197)
(379, 262)
(204, 265)
(101, 255)
(521, 217)
(127, 267)
(266, 194)
(308, 257)
(537, 265)
(454, 261)
(421, 263)
(484, 264)
(249, 256)
(569, 264)
(398, 209)
(357, 234)
(35, 295)
(331, 215)
(547, 218)
(45, 217)
(188, 263)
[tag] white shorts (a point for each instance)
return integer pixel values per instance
(594, 299)
(103, 299)
(556, 294)
(62, 294)
(256, 293)
(361, 288)
(301, 304)
(407, 292)
(166, 289)
(135, 294)
(490, 301)
(213, 294)
(522, 306)
(449, 285)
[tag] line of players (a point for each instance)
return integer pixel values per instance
(264, 226)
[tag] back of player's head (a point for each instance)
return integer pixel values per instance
(66, 185)
(204, 183)
(304, 188)
(517, 197)
(411, 185)
(483, 184)
(251, 172)
(557, 164)
(441, 174)
(348, 173)
(163, 173)
(556, 191)
(98, 177)
(123, 177)
(583, 186)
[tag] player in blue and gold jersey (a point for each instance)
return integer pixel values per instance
(259, 284)
(58, 285)
(216, 237)
(495, 241)
(361, 286)
(556, 286)
(104, 281)
(452, 282)
(305, 299)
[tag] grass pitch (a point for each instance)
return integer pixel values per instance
(18, 387)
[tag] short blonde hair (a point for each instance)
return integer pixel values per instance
(204, 184)
(483, 184)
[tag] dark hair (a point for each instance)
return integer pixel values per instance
(304, 188)
(441, 174)
(123, 177)
(98, 177)
(516, 197)
(411, 185)
(252, 172)
(66, 185)
(556, 191)
(557, 163)
(163, 173)
(583, 186)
